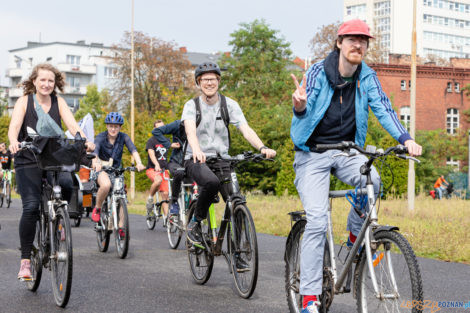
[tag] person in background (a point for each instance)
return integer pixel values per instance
(157, 170)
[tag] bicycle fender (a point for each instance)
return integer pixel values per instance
(238, 199)
(386, 228)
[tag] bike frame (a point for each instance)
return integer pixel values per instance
(52, 203)
(228, 219)
(365, 237)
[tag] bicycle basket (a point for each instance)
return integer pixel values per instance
(54, 152)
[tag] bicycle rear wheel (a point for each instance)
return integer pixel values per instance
(292, 275)
(201, 261)
(244, 259)
(62, 261)
(102, 233)
(395, 262)
(121, 230)
(36, 260)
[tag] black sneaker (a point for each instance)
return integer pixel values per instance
(194, 233)
(241, 264)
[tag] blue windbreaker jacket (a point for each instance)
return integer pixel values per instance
(369, 93)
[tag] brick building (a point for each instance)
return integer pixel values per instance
(440, 101)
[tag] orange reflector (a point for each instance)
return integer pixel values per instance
(60, 226)
(378, 259)
(61, 287)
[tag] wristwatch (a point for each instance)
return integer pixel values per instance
(263, 147)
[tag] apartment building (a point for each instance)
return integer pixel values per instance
(442, 26)
(82, 63)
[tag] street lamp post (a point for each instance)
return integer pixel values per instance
(411, 169)
(132, 98)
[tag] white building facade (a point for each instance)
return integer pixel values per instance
(83, 64)
(442, 26)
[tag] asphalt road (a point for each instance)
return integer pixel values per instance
(154, 278)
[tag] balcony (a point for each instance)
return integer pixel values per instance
(15, 92)
(75, 90)
(16, 72)
(73, 68)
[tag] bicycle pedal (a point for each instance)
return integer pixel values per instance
(200, 246)
(25, 279)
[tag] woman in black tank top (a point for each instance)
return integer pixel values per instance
(42, 83)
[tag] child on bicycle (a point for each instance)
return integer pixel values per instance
(157, 170)
(109, 148)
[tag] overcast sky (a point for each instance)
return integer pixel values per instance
(199, 25)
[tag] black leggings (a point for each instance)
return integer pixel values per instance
(29, 182)
(208, 180)
(178, 176)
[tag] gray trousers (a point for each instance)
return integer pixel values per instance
(312, 179)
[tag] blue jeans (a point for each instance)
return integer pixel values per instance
(313, 182)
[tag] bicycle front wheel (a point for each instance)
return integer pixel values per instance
(121, 230)
(175, 227)
(151, 219)
(397, 273)
(101, 228)
(201, 261)
(62, 261)
(36, 260)
(244, 258)
(8, 195)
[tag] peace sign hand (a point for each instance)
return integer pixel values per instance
(299, 97)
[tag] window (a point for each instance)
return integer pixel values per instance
(73, 59)
(405, 116)
(73, 81)
(110, 72)
(453, 163)
(73, 103)
(403, 85)
(452, 121)
(449, 87)
(456, 87)
(409, 84)
(18, 63)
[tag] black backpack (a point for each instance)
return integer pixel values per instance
(224, 116)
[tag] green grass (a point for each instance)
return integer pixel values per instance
(435, 229)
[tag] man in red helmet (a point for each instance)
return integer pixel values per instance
(330, 106)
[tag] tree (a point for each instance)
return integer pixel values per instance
(435, 59)
(324, 41)
(257, 76)
(157, 63)
(257, 65)
(95, 103)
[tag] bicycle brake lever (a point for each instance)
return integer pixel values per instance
(407, 157)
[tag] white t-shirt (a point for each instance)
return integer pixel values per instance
(211, 132)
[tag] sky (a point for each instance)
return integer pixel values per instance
(199, 25)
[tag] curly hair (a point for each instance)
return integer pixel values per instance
(28, 86)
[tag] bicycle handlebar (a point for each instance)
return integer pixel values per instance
(245, 156)
(371, 151)
(110, 169)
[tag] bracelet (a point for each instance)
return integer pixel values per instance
(263, 147)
